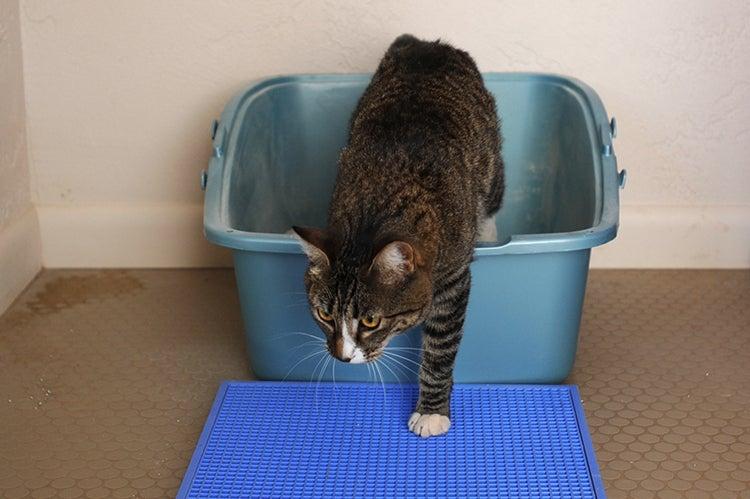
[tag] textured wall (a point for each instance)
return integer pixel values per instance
(20, 249)
(120, 96)
(15, 198)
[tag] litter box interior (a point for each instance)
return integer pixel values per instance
(284, 149)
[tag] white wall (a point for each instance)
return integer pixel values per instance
(120, 96)
(20, 252)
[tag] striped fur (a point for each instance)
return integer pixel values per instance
(422, 169)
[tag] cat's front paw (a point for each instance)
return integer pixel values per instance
(429, 425)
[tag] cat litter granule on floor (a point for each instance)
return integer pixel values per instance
(277, 439)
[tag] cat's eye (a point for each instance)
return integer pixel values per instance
(324, 316)
(369, 321)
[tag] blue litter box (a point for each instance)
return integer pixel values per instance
(274, 165)
(270, 439)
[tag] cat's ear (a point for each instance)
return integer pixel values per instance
(395, 261)
(316, 244)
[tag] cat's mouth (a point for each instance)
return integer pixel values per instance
(357, 359)
(355, 356)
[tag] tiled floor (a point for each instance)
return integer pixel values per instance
(106, 378)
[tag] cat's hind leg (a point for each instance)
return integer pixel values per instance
(487, 230)
(491, 203)
(494, 199)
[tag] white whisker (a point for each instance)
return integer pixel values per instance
(315, 369)
(382, 383)
(301, 361)
(333, 373)
(404, 369)
(404, 366)
(320, 376)
(310, 342)
(391, 370)
(419, 365)
(405, 358)
(312, 376)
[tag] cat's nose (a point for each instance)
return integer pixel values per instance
(347, 351)
(337, 352)
(342, 357)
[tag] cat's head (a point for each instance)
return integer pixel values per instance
(363, 295)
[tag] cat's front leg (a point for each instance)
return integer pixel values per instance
(441, 336)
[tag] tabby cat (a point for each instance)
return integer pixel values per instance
(420, 174)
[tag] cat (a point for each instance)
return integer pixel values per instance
(421, 173)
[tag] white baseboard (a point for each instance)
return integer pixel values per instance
(127, 236)
(20, 257)
(678, 237)
(172, 236)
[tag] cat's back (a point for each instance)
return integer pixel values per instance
(412, 57)
(424, 139)
(423, 91)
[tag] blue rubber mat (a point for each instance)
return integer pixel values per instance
(274, 439)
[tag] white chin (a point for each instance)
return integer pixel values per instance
(358, 358)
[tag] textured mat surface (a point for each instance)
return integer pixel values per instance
(106, 379)
(270, 439)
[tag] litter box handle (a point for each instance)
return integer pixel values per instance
(622, 175)
(216, 152)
